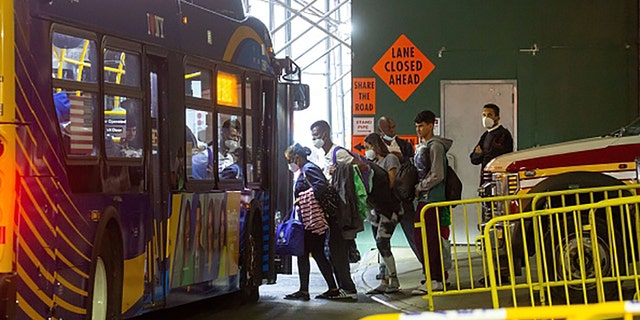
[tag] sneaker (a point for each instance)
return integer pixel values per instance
(298, 295)
(393, 286)
(379, 289)
(329, 294)
(343, 295)
(422, 289)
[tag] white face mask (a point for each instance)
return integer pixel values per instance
(232, 145)
(293, 167)
(370, 154)
(388, 138)
(318, 143)
(487, 122)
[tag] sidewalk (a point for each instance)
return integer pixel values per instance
(409, 275)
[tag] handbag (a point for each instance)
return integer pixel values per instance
(330, 200)
(311, 213)
(290, 236)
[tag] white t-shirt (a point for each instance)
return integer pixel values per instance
(342, 155)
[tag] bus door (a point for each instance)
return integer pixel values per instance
(158, 183)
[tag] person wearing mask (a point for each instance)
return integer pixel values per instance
(385, 214)
(402, 148)
(230, 136)
(342, 238)
(431, 161)
(397, 145)
(311, 176)
(495, 141)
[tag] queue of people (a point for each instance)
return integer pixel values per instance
(350, 173)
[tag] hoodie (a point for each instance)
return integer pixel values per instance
(430, 159)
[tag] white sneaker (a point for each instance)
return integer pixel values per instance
(422, 289)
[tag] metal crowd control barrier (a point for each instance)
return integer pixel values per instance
(607, 310)
(547, 256)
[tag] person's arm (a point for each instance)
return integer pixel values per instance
(316, 178)
(476, 154)
(392, 165)
(502, 143)
(436, 173)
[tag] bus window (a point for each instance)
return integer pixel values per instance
(73, 58)
(122, 120)
(75, 111)
(122, 67)
(230, 152)
(199, 144)
(197, 82)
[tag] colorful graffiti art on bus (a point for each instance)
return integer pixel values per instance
(207, 239)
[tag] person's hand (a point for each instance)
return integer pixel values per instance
(478, 149)
(332, 168)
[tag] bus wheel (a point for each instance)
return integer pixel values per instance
(100, 291)
(571, 253)
(106, 288)
(251, 276)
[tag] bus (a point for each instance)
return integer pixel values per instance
(141, 155)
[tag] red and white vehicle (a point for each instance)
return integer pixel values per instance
(601, 161)
(608, 160)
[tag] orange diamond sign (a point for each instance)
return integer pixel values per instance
(403, 67)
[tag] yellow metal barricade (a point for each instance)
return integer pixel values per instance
(538, 257)
(608, 310)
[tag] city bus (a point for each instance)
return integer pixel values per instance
(141, 156)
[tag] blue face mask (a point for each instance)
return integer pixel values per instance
(388, 138)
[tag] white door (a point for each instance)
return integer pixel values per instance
(461, 112)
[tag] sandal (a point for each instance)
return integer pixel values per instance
(298, 295)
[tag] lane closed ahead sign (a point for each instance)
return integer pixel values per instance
(403, 67)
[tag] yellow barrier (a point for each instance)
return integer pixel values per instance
(537, 258)
(607, 310)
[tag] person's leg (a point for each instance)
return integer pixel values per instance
(417, 235)
(338, 248)
(432, 224)
(383, 242)
(407, 227)
(317, 251)
(304, 269)
(381, 267)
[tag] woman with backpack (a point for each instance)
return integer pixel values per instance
(385, 215)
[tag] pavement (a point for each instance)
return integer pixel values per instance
(364, 274)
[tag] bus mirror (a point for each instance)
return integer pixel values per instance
(298, 96)
(293, 96)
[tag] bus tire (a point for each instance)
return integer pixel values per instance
(251, 266)
(105, 291)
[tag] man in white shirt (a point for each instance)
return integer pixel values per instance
(338, 244)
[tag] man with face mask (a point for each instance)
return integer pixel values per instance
(344, 227)
(495, 141)
(400, 147)
(229, 141)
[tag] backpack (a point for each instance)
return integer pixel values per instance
(452, 186)
(452, 183)
(406, 178)
(381, 197)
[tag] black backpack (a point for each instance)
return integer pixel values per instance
(453, 185)
(381, 196)
(406, 178)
